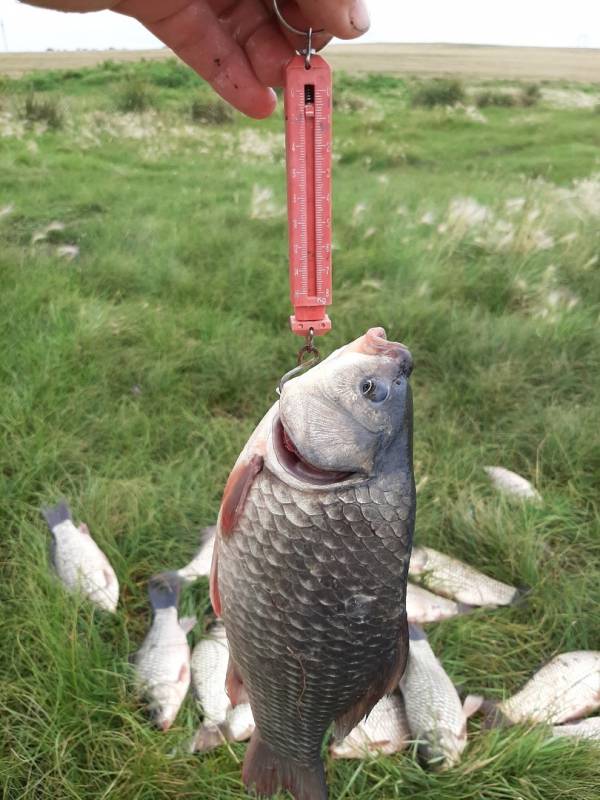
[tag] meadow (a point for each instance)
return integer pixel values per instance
(143, 329)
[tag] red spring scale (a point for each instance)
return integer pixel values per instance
(307, 104)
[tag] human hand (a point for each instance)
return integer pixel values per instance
(238, 46)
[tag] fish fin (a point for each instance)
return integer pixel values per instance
(187, 624)
(184, 674)
(163, 590)
(520, 596)
(108, 577)
(385, 682)
(207, 737)
(213, 582)
(52, 553)
(416, 632)
(56, 514)
(234, 684)
(465, 608)
(265, 772)
(207, 533)
(492, 715)
(83, 528)
(471, 704)
(237, 487)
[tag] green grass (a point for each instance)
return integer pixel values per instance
(181, 290)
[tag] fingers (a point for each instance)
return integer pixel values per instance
(346, 19)
(192, 30)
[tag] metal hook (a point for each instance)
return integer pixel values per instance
(302, 365)
(309, 34)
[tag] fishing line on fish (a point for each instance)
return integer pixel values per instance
(302, 365)
(308, 51)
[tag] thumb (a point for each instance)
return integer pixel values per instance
(346, 19)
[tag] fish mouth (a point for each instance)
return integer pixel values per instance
(291, 460)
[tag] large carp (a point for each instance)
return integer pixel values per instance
(311, 557)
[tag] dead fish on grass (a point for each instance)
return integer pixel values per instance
(199, 566)
(79, 562)
(436, 717)
(423, 606)
(452, 578)
(566, 688)
(511, 484)
(384, 732)
(209, 670)
(163, 661)
(313, 541)
(580, 729)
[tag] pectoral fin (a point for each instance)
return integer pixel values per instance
(236, 490)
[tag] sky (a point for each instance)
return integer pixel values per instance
(539, 23)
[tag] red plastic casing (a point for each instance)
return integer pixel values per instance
(307, 104)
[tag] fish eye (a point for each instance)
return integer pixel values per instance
(373, 390)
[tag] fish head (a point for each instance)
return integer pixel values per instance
(340, 419)
(443, 747)
(166, 701)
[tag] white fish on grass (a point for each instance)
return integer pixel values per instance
(580, 729)
(42, 234)
(79, 562)
(222, 723)
(511, 484)
(423, 606)
(385, 731)
(452, 578)
(163, 661)
(199, 566)
(435, 714)
(566, 688)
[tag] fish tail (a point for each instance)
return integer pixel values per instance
(266, 773)
(56, 514)
(163, 590)
(493, 717)
(520, 596)
(207, 738)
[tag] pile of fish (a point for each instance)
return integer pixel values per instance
(425, 708)
(308, 569)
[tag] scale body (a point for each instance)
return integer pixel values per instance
(307, 106)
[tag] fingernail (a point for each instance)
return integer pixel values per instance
(359, 17)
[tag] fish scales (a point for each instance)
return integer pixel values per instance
(565, 688)
(332, 639)
(311, 558)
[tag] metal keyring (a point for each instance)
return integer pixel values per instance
(308, 51)
(291, 28)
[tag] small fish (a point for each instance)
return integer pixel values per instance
(452, 578)
(78, 561)
(384, 732)
(511, 484)
(163, 660)
(566, 688)
(199, 566)
(580, 729)
(209, 671)
(423, 606)
(436, 717)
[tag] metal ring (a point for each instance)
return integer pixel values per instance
(291, 28)
(309, 51)
(302, 365)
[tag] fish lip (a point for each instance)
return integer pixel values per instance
(292, 462)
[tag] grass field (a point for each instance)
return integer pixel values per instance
(136, 362)
(471, 61)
